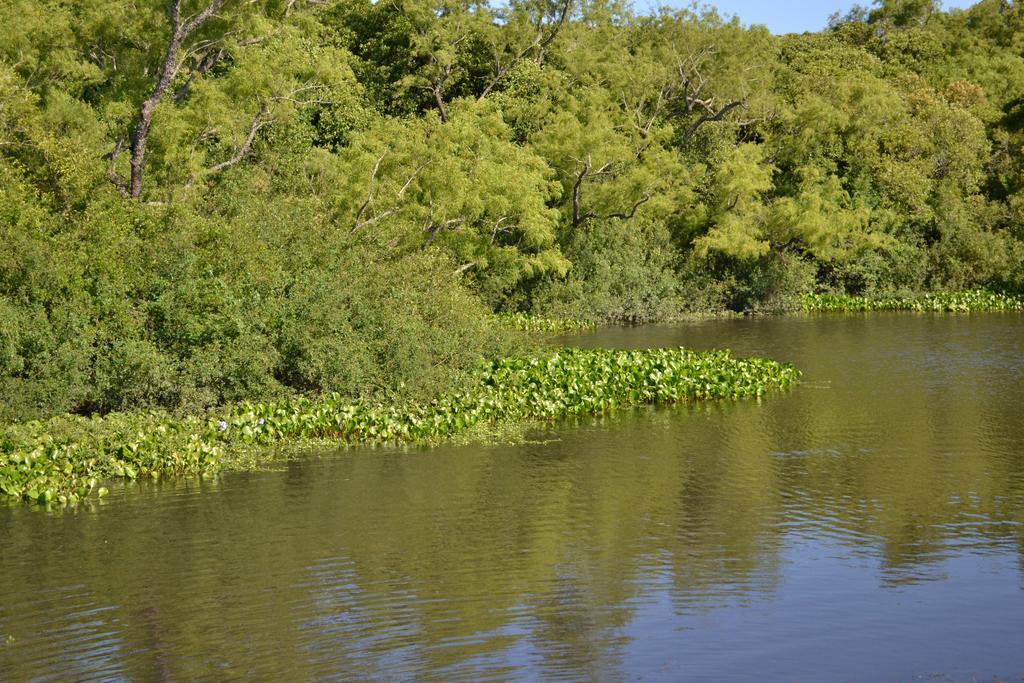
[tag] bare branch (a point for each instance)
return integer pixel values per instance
(442, 110)
(566, 7)
(119, 183)
(632, 212)
(585, 170)
(376, 219)
(497, 228)
(437, 89)
(717, 116)
(412, 177)
(115, 178)
(369, 196)
(192, 24)
(260, 121)
(358, 225)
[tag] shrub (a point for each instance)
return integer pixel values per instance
(173, 310)
(621, 271)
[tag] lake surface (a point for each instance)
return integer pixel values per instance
(866, 526)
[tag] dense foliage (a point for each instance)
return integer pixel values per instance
(207, 201)
(64, 459)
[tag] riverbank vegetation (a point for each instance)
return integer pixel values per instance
(64, 459)
(942, 302)
(205, 202)
(526, 322)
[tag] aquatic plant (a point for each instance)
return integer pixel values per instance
(942, 302)
(527, 322)
(64, 459)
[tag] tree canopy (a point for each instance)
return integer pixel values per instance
(202, 200)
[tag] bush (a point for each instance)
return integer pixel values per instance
(621, 271)
(773, 283)
(172, 309)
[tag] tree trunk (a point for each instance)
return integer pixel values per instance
(180, 31)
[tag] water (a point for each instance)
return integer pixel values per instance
(867, 526)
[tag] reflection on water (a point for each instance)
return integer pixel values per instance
(869, 525)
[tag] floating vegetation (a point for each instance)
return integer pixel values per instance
(942, 302)
(64, 459)
(527, 322)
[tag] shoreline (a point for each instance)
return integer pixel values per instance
(66, 459)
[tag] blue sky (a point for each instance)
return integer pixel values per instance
(785, 17)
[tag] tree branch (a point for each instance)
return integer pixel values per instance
(540, 41)
(192, 24)
(442, 110)
(115, 178)
(369, 195)
(566, 6)
(357, 224)
(180, 32)
(632, 212)
(261, 120)
(209, 60)
(577, 215)
(717, 116)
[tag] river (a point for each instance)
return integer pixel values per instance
(866, 526)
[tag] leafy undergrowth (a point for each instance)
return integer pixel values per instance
(943, 302)
(527, 322)
(64, 459)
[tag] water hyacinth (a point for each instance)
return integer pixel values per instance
(64, 459)
(974, 301)
(526, 322)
